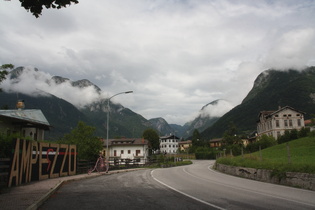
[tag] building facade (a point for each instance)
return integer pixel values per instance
(184, 145)
(28, 123)
(169, 144)
(127, 149)
(275, 123)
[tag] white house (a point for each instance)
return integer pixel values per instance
(275, 123)
(135, 150)
(29, 123)
(169, 144)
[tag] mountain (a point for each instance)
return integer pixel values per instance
(61, 114)
(122, 121)
(161, 126)
(271, 89)
(84, 83)
(207, 116)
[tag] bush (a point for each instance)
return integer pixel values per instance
(205, 153)
(7, 144)
(263, 142)
(303, 132)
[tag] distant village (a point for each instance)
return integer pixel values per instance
(31, 123)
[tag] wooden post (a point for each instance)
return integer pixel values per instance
(242, 153)
(289, 154)
(260, 156)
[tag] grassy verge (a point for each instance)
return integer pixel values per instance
(276, 158)
(170, 164)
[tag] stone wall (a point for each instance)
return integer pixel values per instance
(300, 180)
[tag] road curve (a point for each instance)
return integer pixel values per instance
(194, 186)
(220, 191)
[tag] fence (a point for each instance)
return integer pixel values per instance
(224, 153)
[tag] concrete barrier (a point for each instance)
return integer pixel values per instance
(293, 179)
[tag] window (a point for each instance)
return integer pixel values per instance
(129, 151)
(138, 152)
(122, 152)
(285, 123)
(115, 153)
(290, 123)
(299, 122)
(277, 124)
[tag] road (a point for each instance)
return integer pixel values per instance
(196, 186)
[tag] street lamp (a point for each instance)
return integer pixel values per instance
(107, 153)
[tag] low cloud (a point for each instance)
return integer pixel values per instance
(38, 83)
(217, 109)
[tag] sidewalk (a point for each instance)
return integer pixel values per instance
(30, 196)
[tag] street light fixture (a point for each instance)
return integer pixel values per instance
(108, 110)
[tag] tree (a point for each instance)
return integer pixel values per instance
(36, 6)
(4, 71)
(88, 145)
(196, 139)
(230, 136)
(152, 136)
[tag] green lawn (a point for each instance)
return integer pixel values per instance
(302, 157)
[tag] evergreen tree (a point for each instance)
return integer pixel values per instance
(152, 136)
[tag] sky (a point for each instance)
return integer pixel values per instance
(175, 55)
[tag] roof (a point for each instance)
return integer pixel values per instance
(216, 140)
(185, 142)
(169, 137)
(270, 113)
(126, 142)
(34, 116)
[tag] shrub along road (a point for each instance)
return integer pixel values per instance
(194, 186)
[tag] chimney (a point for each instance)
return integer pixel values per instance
(20, 104)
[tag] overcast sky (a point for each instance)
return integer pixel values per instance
(176, 55)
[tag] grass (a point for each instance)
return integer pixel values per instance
(302, 157)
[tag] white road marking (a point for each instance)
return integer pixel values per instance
(192, 197)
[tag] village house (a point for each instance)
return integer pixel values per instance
(169, 144)
(184, 145)
(275, 123)
(127, 150)
(214, 143)
(28, 123)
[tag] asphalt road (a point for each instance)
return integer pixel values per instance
(195, 186)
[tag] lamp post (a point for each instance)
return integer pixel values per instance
(107, 153)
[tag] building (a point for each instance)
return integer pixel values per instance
(169, 144)
(127, 149)
(184, 145)
(28, 123)
(214, 143)
(275, 123)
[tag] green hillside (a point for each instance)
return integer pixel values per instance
(123, 121)
(271, 89)
(302, 157)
